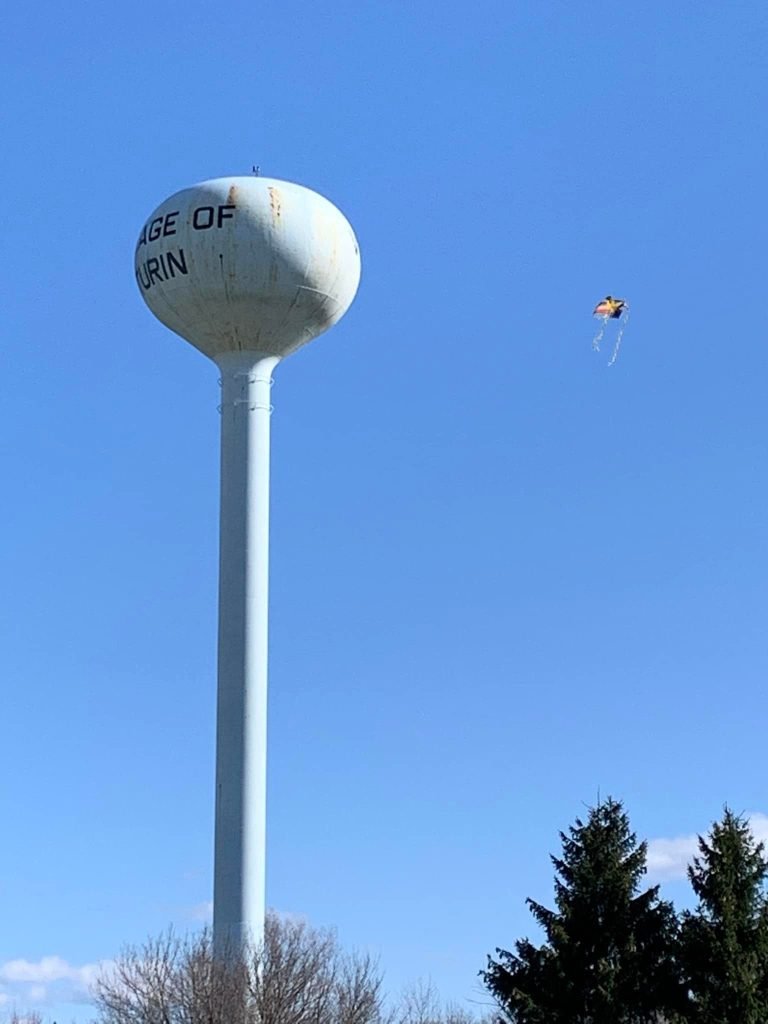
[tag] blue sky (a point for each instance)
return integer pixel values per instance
(504, 576)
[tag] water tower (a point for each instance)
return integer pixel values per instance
(247, 270)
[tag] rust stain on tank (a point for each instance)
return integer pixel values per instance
(232, 195)
(275, 203)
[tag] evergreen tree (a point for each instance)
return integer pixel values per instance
(724, 942)
(608, 955)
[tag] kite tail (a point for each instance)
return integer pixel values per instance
(599, 336)
(619, 336)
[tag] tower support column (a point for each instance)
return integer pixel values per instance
(241, 716)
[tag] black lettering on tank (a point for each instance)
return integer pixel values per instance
(162, 227)
(153, 269)
(223, 215)
(143, 277)
(177, 263)
(202, 218)
(169, 225)
(163, 267)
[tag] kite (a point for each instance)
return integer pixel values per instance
(607, 309)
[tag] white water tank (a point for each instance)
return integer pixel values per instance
(247, 264)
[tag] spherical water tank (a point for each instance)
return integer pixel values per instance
(247, 264)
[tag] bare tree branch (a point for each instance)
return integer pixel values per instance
(298, 976)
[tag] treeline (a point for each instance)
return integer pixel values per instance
(614, 952)
(611, 951)
(298, 975)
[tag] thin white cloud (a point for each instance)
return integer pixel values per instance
(48, 980)
(668, 859)
(759, 825)
(202, 911)
(49, 968)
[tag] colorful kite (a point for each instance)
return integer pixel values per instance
(607, 309)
